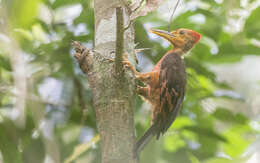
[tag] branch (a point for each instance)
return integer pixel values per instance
(148, 7)
(119, 39)
(131, 21)
(84, 57)
(81, 148)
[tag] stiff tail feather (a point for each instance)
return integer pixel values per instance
(145, 139)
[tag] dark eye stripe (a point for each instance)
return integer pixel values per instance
(181, 32)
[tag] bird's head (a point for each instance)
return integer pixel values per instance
(183, 39)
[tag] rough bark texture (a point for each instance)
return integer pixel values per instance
(113, 94)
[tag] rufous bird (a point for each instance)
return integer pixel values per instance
(165, 84)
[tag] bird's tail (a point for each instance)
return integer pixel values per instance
(148, 135)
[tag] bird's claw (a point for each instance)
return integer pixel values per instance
(127, 64)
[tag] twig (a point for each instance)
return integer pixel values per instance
(119, 39)
(173, 14)
(84, 57)
(141, 49)
(133, 11)
(81, 148)
(140, 4)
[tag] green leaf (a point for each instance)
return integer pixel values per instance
(236, 142)
(193, 158)
(60, 3)
(39, 33)
(208, 132)
(181, 122)
(25, 33)
(22, 13)
(219, 160)
(5, 63)
(173, 142)
(227, 116)
(252, 24)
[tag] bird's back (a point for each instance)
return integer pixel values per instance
(172, 81)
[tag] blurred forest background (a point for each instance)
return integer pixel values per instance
(46, 111)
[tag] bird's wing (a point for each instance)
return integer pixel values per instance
(172, 85)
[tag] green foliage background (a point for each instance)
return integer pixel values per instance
(59, 122)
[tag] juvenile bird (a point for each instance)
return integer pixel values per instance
(165, 84)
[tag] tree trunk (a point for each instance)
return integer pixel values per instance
(113, 96)
(113, 91)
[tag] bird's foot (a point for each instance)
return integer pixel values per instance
(127, 64)
(143, 91)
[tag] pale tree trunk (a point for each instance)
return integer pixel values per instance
(112, 86)
(113, 96)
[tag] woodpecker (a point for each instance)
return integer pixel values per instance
(165, 84)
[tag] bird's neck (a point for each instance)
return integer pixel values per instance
(178, 51)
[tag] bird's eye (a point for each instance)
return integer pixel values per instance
(181, 32)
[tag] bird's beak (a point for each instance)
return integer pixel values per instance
(165, 34)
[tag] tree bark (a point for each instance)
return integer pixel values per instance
(113, 92)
